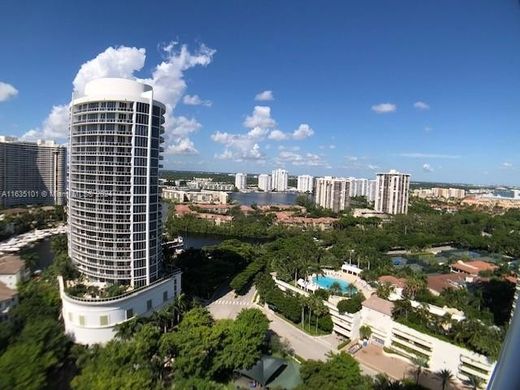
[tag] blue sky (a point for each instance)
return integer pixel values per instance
(352, 73)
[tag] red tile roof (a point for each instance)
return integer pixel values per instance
(473, 267)
(398, 282)
(441, 282)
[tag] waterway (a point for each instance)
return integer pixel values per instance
(262, 198)
(43, 250)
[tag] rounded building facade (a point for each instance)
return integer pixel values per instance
(114, 207)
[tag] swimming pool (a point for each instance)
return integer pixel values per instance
(326, 282)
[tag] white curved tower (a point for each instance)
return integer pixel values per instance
(115, 224)
(114, 209)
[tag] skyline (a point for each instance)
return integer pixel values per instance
(427, 89)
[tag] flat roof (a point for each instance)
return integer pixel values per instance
(379, 304)
(6, 292)
(11, 264)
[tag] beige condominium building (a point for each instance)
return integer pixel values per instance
(31, 172)
(332, 193)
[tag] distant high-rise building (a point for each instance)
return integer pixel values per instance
(115, 225)
(279, 180)
(332, 193)
(241, 181)
(305, 183)
(371, 190)
(358, 187)
(32, 172)
(264, 182)
(392, 192)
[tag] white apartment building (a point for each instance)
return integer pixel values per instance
(114, 207)
(279, 180)
(264, 182)
(392, 192)
(305, 183)
(241, 181)
(332, 193)
(371, 190)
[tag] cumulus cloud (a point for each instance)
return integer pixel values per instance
(421, 106)
(261, 117)
(119, 61)
(167, 79)
(294, 158)
(384, 108)
(507, 164)
(239, 146)
(427, 167)
(302, 132)
(373, 167)
(56, 126)
(195, 100)
(7, 91)
(264, 96)
(278, 135)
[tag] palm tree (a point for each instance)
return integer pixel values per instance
(382, 382)
(420, 363)
(445, 376)
(127, 329)
(179, 305)
(365, 332)
(474, 382)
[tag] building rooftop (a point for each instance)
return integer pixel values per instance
(398, 282)
(441, 282)
(6, 292)
(379, 304)
(11, 264)
(473, 267)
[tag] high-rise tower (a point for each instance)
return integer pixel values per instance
(115, 222)
(392, 192)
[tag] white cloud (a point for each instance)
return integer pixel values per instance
(182, 146)
(56, 126)
(427, 167)
(352, 158)
(264, 96)
(384, 108)
(239, 147)
(120, 61)
(302, 132)
(428, 129)
(278, 135)
(293, 158)
(507, 165)
(195, 100)
(7, 91)
(429, 155)
(421, 106)
(167, 80)
(373, 167)
(261, 117)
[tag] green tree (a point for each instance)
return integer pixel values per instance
(365, 332)
(340, 371)
(420, 364)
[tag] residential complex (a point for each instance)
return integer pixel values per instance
(31, 173)
(392, 192)
(265, 183)
(438, 192)
(305, 183)
(241, 181)
(332, 193)
(12, 272)
(203, 196)
(362, 187)
(279, 180)
(114, 207)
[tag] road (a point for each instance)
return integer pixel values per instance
(226, 305)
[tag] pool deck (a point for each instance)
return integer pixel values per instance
(359, 283)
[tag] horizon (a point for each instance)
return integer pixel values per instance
(342, 89)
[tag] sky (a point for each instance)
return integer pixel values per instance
(341, 88)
